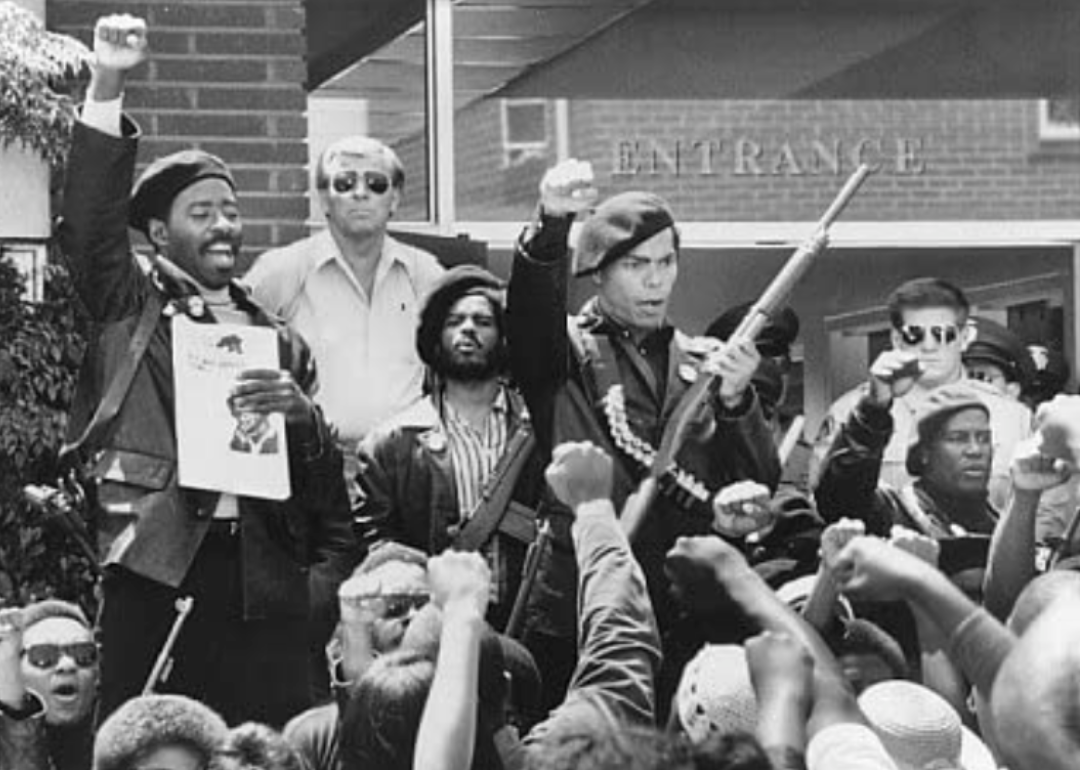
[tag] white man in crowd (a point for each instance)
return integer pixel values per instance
(353, 293)
(242, 560)
(48, 687)
(613, 374)
(930, 331)
(459, 468)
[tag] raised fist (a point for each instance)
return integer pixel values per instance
(1034, 471)
(922, 547)
(579, 472)
(892, 375)
(119, 42)
(568, 189)
(835, 537)
(1058, 423)
(742, 508)
(460, 578)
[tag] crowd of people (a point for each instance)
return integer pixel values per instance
(477, 563)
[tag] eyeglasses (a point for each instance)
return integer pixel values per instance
(392, 606)
(377, 183)
(46, 656)
(911, 334)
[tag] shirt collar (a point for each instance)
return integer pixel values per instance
(599, 322)
(394, 252)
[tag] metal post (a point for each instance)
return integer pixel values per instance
(440, 113)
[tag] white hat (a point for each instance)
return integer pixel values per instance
(715, 695)
(795, 593)
(920, 730)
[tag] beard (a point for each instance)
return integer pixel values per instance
(476, 368)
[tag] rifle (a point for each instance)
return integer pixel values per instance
(163, 665)
(533, 557)
(702, 392)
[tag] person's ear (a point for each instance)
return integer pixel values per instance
(158, 233)
(395, 200)
(894, 338)
(1013, 389)
(968, 332)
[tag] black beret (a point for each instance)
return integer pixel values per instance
(776, 336)
(997, 345)
(167, 177)
(618, 225)
(451, 286)
(1051, 370)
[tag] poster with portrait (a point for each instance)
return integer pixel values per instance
(219, 447)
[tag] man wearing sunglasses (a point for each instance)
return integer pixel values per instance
(353, 292)
(243, 560)
(930, 331)
(48, 687)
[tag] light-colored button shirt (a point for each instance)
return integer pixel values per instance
(474, 453)
(364, 347)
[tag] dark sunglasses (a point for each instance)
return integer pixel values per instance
(46, 656)
(377, 183)
(914, 335)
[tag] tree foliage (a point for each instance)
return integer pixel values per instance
(35, 67)
(41, 344)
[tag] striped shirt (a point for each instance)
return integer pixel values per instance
(474, 452)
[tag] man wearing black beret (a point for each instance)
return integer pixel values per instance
(243, 560)
(614, 373)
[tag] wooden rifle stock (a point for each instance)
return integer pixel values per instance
(697, 397)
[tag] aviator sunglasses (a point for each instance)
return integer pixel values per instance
(912, 334)
(45, 656)
(377, 183)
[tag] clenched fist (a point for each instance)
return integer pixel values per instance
(568, 189)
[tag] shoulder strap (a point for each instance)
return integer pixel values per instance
(495, 499)
(116, 393)
(925, 522)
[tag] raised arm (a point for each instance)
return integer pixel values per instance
(1011, 565)
(93, 232)
(537, 293)
(460, 583)
(23, 743)
(849, 474)
(619, 644)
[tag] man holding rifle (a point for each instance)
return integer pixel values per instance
(614, 373)
(243, 560)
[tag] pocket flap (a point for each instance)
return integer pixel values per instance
(133, 468)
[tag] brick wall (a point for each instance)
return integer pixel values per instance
(225, 76)
(765, 161)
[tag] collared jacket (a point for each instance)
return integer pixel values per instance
(409, 494)
(556, 364)
(147, 523)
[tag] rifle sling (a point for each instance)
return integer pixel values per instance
(495, 502)
(115, 395)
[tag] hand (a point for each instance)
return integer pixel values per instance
(266, 391)
(580, 472)
(870, 568)
(734, 364)
(1058, 426)
(836, 537)
(1034, 471)
(698, 567)
(780, 667)
(892, 375)
(119, 42)
(924, 548)
(12, 689)
(460, 579)
(568, 189)
(742, 508)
